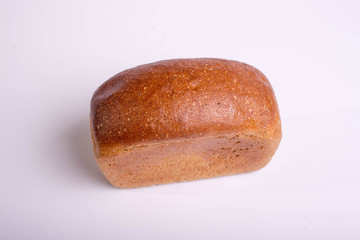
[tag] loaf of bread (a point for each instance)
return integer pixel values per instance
(183, 119)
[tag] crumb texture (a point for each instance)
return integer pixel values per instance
(183, 119)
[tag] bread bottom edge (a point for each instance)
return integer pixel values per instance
(187, 160)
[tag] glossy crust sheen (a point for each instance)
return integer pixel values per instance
(183, 119)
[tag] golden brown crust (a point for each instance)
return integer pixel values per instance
(180, 100)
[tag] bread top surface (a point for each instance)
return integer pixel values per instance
(182, 99)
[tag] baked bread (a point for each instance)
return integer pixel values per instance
(183, 119)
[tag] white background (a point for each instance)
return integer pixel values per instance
(54, 54)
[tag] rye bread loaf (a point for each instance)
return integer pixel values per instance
(183, 119)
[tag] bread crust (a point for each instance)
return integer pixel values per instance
(181, 101)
